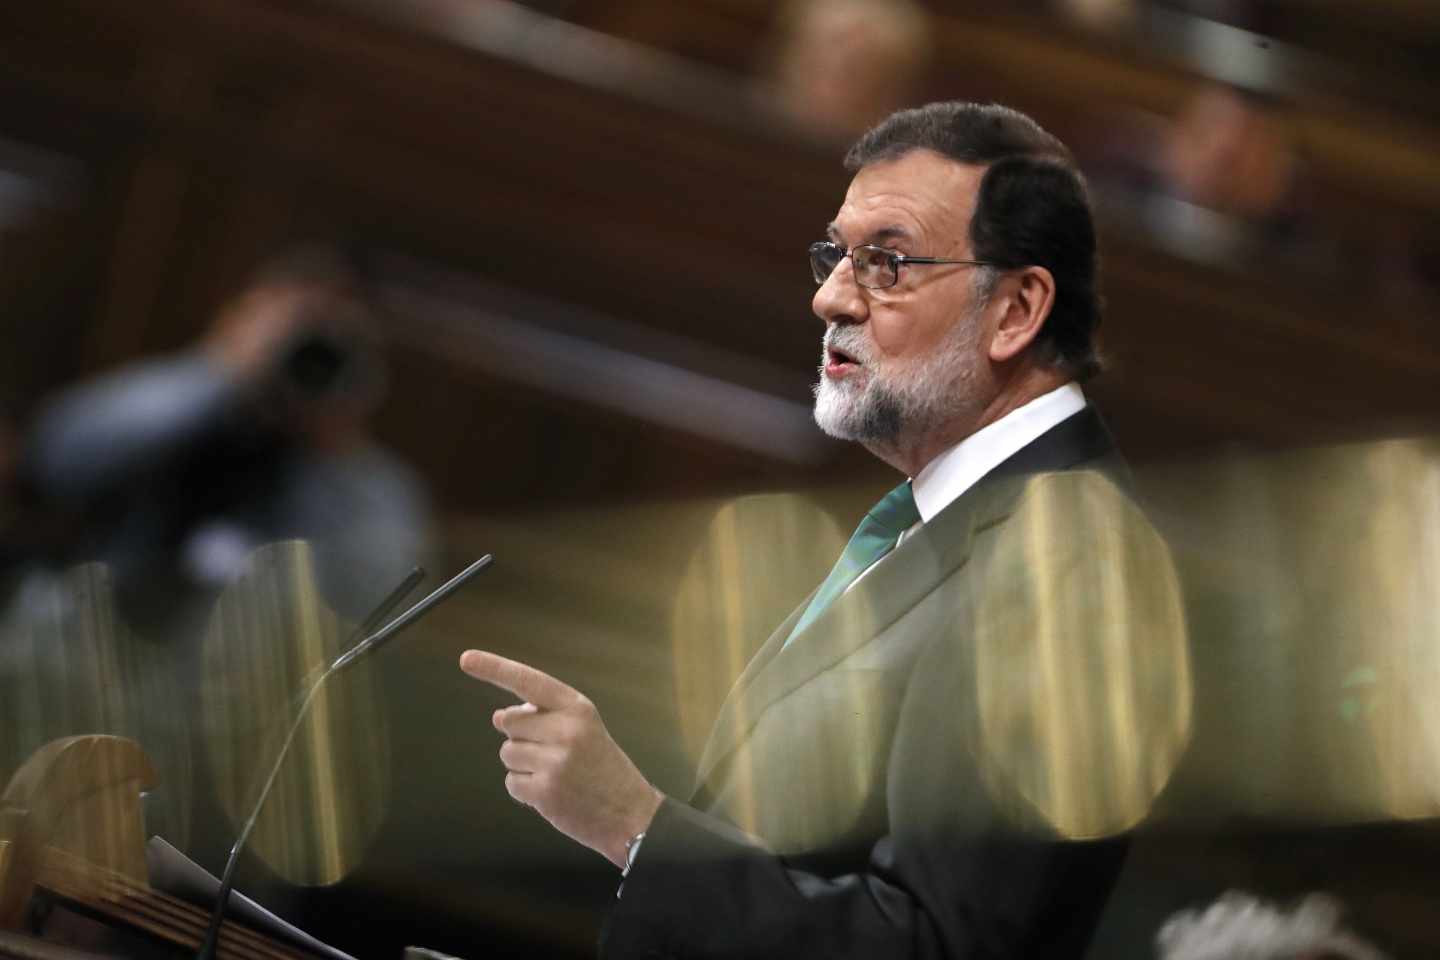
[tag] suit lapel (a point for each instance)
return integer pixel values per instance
(899, 582)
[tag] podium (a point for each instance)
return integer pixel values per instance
(72, 838)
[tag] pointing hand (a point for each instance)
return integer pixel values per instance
(560, 759)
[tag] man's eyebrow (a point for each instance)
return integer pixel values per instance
(888, 233)
(880, 235)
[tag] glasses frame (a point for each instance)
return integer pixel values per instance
(896, 261)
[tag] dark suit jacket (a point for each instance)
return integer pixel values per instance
(916, 774)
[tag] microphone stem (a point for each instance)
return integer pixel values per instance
(210, 944)
(227, 878)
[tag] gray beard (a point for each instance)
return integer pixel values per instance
(896, 407)
(876, 415)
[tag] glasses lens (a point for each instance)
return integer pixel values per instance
(874, 267)
(824, 258)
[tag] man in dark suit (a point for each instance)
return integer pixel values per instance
(939, 752)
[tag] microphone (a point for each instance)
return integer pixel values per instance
(364, 648)
(376, 640)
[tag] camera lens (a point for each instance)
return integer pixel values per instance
(316, 364)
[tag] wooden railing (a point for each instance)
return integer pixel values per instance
(72, 831)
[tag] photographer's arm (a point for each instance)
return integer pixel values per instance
(110, 431)
(105, 433)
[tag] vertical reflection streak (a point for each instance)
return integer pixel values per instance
(323, 774)
(1426, 639)
(1082, 659)
(1053, 696)
(758, 556)
(1399, 613)
(732, 624)
(1117, 665)
(269, 634)
(728, 575)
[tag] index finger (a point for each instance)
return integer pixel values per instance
(525, 682)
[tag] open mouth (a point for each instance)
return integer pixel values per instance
(838, 363)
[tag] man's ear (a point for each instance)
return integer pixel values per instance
(1025, 298)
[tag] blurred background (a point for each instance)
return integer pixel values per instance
(297, 293)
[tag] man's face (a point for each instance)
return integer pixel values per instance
(901, 362)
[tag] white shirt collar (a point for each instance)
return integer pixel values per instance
(958, 469)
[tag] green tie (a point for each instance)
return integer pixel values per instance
(875, 537)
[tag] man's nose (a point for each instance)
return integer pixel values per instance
(840, 299)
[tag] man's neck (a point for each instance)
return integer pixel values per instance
(909, 455)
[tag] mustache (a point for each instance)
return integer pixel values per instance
(847, 340)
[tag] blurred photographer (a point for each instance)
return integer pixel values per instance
(176, 469)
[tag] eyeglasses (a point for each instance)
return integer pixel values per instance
(875, 267)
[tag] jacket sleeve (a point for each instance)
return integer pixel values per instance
(701, 888)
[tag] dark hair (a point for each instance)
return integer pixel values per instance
(1032, 208)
